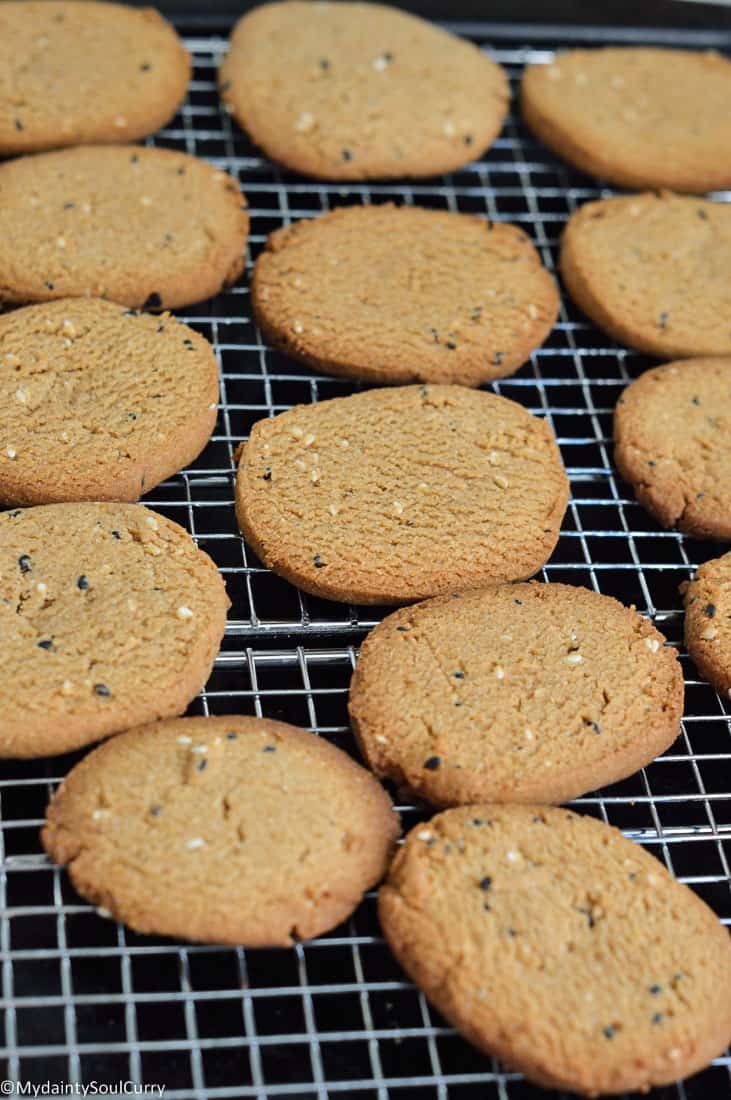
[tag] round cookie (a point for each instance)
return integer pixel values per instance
(75, 73)
(707, 601)
(652, 270)
(98, 402)
(672, 435)
(398, 294)
(145, 227)
(555, 944)
(225, 830)
(521, 693)
(636, 116)
(395, 494)
(353, 91)
(110, 616)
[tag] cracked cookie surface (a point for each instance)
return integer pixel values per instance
(142, 226)
(636, 116)
(226, 830)
(672, 436)
(76, 73)
(399, 294)
(652, 271)
(707, 601)
(98, 402)
(552, 942)
(396, 494)
(360, 91)
(522, 693)
(110, 616)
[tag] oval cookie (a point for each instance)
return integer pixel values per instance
(396, 494)
(98, 402)
(110, 616)
(226, 830)
(360, 91)
(672, 435)
(398, 294)
(522, 693)
(708, 622)
(555, 944)
(652, 270)
(636, 116)
(145, 227)
(78, 73)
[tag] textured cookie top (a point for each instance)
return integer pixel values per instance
(636, 116)
(228, 829)
(554, 943)
(76, 72)
(396, 494)
(708, 621)
(672, 433)
(109, 615)
(523, 693)
(653, 271)
(98, 402)
(360, 91)
(142, 226)
(399, 294)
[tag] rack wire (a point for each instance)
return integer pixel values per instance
(85, 1000)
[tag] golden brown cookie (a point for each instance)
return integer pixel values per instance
(109, 616)
(360, 91)
(672, 435)
(555, 944)
(74, 73)
(652, 270)
(398, 294)
(521, 693)
(226, 830)
(145, 227)
(395, 494)
(636, 116)
(708, 622)
(99, 402)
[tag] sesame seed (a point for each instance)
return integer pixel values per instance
(297, 432)
(151, 522)
(398, 507)
(213, 405)
(145, 200)
(424, 835)
(500, 673)
(709, 633)
(67, 687)
(529, 735)
(379, 64)
(449, 128)
(61, 242)
(195, 842)
(501, 481)
(344, 443)
(183, 740)
(98, 815)
(105, 914)
(199, 748)
(41, 588)
(433, 763)
(315, 476)
(532, 311)
(11, 452)
(21, 395)
(308, 440)
(298, 327)
(102, 689)
(184, 613)
(512, 856)
(131, 605)
(305, 123)
(381, 739)
(332, 509)
(574, 659)
(493, 458)
(652, 644)
(299, 463)
(120, 122)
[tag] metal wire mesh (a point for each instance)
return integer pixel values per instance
(82, 998)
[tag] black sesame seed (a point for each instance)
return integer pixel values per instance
(458, 674)
(516, 600)
(145, 67)
(432, 763)
(267, 475)
(596, 727)
(134, 158)
(696, 400)
(657, 1018)
(155, 810)
(702, 214)
(388, 56)
(478, 821)
(609, 1031)
(188, 343)
(226, 85)
(710, 610)
(69, 205)
(82, 583)
(655, 990)
(231, 736)
(49, 286)
(663, 320)
(468, 139)
(45, 643)
(25, 564)
(499, 356)
(18, 124)
(15, 513)
(476, 313)
(651, 462)
(324, 64)
(102, 689)
(269, 748)
(153, 301)
(485, 883)
(181, 170)
(202, 765)
(402, 629)
(116, 535)
(451, 345)
(318, 562)
(347, 155)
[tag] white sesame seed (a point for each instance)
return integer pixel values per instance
(120, 122)
(449, 128)
(398, 507)
(424, 835)
(86, 207)
(381, 739)
(106, 914)
(151, 522)
(501, 482)
(298, 327)
(634, 209)
(305, 123)
(574, 658)
(213, 405)
(529, 735)
(67, 687)
(675, 1053)
(146, 200)
(131, 605)
(12, 360)
(183, 740)
(195, 842)
(68, 327)
(11, 452)
(200, 748)
(709, 633)
(308, 440)
(512, 856)
(184, 613)
(500, 673)
(332, 509)
(652, 644)
(423, 485)
(299, 463)
(99, 815)
(493, 458)
(297, 432)
(532, 311)
(21, 395)
(315, 476)
(344, 443)
(41, 588)
(379, 64)
(61, 242)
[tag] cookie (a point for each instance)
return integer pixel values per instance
(636, 116)
(398, 294)
(225, 830)
(395, 494)
(672, 435)
(652, 270)
(360, 91)
(707, 601)
(555, 944)
(78, 73)
(110, 616)
(98, 402)
(145, 227)
(521, 693)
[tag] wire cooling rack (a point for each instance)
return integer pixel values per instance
(85, 1000)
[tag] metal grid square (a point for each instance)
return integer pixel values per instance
(83, 998)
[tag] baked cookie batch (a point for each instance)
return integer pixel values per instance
(545, 937)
